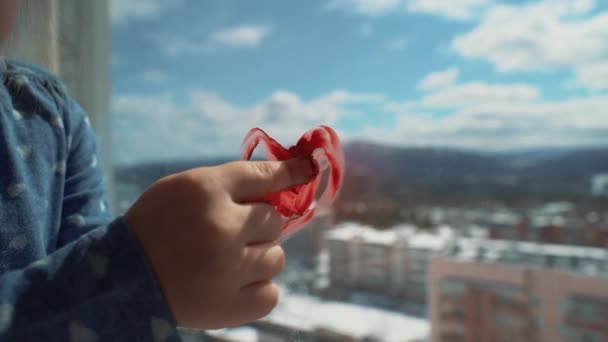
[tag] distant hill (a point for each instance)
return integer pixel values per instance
(427, 172)
(569, 173)
(387, 179)
(440, 174)
(143, 175)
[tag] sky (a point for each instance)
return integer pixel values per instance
(191, 77)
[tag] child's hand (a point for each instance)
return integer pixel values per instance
(214, 257)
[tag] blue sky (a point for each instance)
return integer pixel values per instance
(191, 77)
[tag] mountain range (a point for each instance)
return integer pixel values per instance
(388, 178)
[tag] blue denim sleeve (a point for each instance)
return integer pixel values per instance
(69, 273)
(84, 206)
(97, 288)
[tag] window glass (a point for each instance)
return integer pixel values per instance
(475, 200)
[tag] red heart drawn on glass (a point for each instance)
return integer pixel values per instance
(322, 146)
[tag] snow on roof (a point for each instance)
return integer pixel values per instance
(401, 233)
(504, 217)
(350, 230)
(427, 241)
(240, 334)
(557, 207)
(310, 313)
(492, 250)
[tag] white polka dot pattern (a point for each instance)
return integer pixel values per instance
(56, 122)
(77, 220)
(22, 81)
(79, 293)
(80, 333)
(16, 189)
(161, 329)
(60, 167)
(17, 115)
(40, 263)
(24, 151)
(19, 242)
(6, 316)
(99, 264)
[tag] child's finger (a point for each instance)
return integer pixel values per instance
(262, 223)
(249, 181)
(262, 263)
(257, 301)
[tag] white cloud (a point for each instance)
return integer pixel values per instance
(242, 36)
(154, 76)
(593, 76)
(180, 45)
(544, 35)
(367, 7)
(479, 116)
(397, 44)
(159, 127)
(143, 106)
(497, 116)
(475, 93)
(123, 10)
(576, 122)
(439, 79)
(281, 108)
(238, 37)
(366, 30)
(453, 9)
(116, 60)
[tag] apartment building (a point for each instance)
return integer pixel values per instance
(599, 185)
(490, 290)
(390, 262)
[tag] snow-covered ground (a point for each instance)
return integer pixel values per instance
(303, 312)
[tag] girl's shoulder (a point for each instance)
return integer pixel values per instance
(20, 72)
(33, 86)
(15, 68)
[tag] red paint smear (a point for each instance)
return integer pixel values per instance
(322, 146)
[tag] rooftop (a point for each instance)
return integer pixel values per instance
(306, 313)
(351, 230)
(588, 260)
(309, 313)
(239, 334)
(402, 234)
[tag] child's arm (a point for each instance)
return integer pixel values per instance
(212, 256)
(192, 254)
(98, 288)
(84, 207)
(98, 285)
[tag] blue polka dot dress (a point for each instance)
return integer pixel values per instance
(68, 272)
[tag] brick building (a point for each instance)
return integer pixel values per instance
(489, 290)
